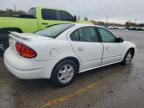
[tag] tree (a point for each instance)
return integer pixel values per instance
(141, 24)
(98, 22)
(9, 13)
(129, 23)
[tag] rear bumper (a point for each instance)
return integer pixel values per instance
(27, 68)
(26, 73)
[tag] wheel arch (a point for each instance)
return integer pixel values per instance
(133, 51)
(4, 30)
(74, 59)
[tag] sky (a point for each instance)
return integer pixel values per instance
(104, 10)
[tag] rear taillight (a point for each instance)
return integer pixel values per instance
(25, 51)
(18, 47)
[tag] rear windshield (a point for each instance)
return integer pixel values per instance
(54, 30)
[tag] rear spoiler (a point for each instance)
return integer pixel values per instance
(19, 36)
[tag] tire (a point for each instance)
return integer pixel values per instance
(4, 42)
(64, 72)
(4, 39)
(128, 58)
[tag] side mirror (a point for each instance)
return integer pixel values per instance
(119, 39)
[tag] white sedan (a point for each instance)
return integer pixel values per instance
(60, 51)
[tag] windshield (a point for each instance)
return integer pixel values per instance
(54, 30)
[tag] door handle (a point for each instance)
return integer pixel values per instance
(80, 49)
(44, 23)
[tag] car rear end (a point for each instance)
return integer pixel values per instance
(22, 60)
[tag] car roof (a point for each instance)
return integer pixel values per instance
(83, 25)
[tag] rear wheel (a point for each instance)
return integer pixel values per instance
(128, 58)
(64, 72)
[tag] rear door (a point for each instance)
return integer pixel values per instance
(112, 49)
(49, 17)
(87, 47)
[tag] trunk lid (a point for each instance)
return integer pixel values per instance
(24, 38)
(27, 36)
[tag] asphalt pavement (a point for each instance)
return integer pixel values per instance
(114, 86)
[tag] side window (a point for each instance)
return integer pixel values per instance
(106, 35)
(65, 16)
(49, 14)
(86, 34)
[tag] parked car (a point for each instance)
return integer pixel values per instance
(137, 28)
(121, 28)
(132, 28)
(142, 28)
(61, 51)
(37, 18)
(112, 27)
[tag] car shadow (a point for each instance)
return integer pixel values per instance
(80, 77)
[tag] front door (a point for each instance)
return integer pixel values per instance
(112, 49)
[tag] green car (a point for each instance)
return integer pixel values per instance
(36, 19)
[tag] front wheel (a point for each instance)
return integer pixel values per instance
(64, 72)
(128, 58)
